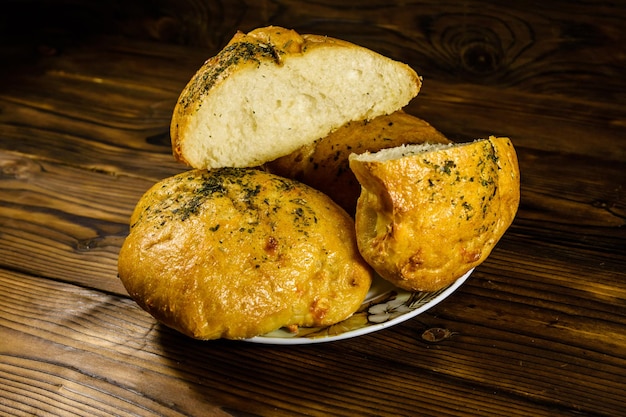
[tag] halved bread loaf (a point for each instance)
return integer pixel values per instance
(272, 90)
(429, 213)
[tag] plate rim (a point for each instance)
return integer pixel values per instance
(361, 331)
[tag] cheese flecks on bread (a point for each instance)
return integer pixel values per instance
(429, 213)
(272, 90)
(324, 164)
(235, 253)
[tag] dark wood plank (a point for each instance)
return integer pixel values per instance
(63, 222)
(573, 50)
(550, 47)
(90, 343)
(84, 119)
(539, 285)
(101, 117)
(555, 48)
(539, 121)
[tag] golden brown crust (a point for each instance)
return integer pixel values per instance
(422, 221)
(235, 253)
(324, 164)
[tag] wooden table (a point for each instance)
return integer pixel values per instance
(86, 95)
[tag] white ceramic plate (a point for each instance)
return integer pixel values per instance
(384, 306)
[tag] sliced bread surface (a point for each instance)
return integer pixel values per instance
(271, 91)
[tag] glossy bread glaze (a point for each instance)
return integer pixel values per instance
(424, 219)
(236, 253)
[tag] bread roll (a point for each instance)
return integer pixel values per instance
(427, 214)
(235, 253)
(324, 164)
(272, 90)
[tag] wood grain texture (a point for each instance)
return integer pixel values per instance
(84, 119)
(556, 47)
(562, 48)
(121, 352)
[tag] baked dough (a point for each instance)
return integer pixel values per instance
(324, 164)
(272, 90)
(427, 214)
(234, 253)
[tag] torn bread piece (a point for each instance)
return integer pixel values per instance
(429, 213)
